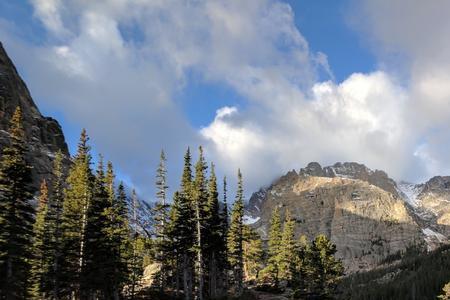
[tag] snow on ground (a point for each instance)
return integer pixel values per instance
(248, 220)
(431, 233)
(410, 192)
(431, 237)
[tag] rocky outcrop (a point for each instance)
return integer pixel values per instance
(352, 170)
(365, 213)
(43, 134)
(429, 202)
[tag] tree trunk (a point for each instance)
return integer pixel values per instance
(213, 276)
(187, 293)
(199, 262)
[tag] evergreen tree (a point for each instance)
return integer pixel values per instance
(136, 264)
(185, 226)
(78, 197)
(445, 292)
(288, 249)
(161, 216)
(253, 253)
(235, 238)
(53, 224)
(222, 247)
(98, 263)
(302, 266)
(200, 198)
(16, 214)
(120, 241)
(272, 270)
(179, 236)
(39, 264)
(213, 239)
(326, 269)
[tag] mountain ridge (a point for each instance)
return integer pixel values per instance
(356, 196)
(44, 135)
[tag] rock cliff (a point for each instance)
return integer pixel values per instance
(43, 134)
(364, 212)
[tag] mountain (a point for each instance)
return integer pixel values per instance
(43, 134)
(368, 215)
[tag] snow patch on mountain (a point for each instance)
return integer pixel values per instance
(432, 238)
(410, 192)
(249, 220)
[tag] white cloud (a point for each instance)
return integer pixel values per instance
(48, 11)
(362, 119)
(124, 87)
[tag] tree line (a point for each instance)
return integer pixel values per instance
(85, 238)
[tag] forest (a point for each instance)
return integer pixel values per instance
(84, 237)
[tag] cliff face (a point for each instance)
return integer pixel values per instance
(44, 135)
(364, 212)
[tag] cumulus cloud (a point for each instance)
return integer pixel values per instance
(361, 119)
(415, 33)
(119, 66)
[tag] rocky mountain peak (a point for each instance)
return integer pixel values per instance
(352, 170)
(437, 184)
(44, 135)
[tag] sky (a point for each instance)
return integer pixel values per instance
(263, 85)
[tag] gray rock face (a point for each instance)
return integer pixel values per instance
(352, 170)
(43, 134)
(364, 212)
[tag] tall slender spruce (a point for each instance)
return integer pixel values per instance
(274, 251)
(161, 216)
(235, 238)
(78, 197)
(39, 265)
(200, 198)
(16, 213)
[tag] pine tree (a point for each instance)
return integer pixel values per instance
(176, 232)
(78, 197)
(120, 241)
(273, 267)
(213, 234)
(161, 216)
(200, 198)
(253, 253)
(302, 268)
(53, 224)
(118, 234)
(287, 249)
(235, 238)
(326, 269)
(222, 247)
(16, 214)
(98, 251)
(39, 261)
(186, 225)
(136, 259)
(445, 292)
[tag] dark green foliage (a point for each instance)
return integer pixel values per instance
(78, 196)
(16, 214)
(235, 238)
(97, 260)
(418, 276)
(120, 239)
(253, 253)
(272, 270)
(53, 226)
(287, 258)
(161, 218)
(325, 269)
(39, 265)
(213, 238)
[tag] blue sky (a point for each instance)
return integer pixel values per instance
(266, 85)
